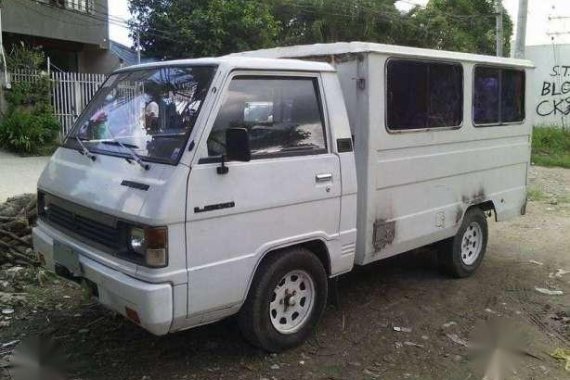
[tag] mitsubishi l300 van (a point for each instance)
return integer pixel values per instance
(192, 190)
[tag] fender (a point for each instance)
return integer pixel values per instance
(272, 247)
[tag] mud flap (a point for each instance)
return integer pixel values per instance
(333, 293)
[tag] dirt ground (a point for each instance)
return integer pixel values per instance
(458, 329)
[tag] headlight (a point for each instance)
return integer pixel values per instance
(151, 243)
(137, 241)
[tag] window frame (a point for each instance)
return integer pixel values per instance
(260, 74)
(428, 61)
(501, 68)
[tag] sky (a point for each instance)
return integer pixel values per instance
(119, 9)
(544, 22)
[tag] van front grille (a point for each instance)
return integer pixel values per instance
(56, 213)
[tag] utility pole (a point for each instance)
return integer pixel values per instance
(138, 46)
(520, 41)
(499, 28)
(5, 77)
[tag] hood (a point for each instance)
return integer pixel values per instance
(116, 187)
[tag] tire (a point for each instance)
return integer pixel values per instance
(287, 282)
(461, 255)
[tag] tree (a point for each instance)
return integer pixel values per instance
(458, 25)
(197, 28)
(314, 21)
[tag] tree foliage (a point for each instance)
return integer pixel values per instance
(195, 28)
(458, 25)
(314, 21)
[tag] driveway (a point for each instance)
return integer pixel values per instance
(19, 175)
(397, 319)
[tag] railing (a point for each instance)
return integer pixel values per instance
(70, 92)
(85, 6)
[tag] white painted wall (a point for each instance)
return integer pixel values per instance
(550, 93)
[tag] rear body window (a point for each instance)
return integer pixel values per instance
(424, 95)
(498, 96)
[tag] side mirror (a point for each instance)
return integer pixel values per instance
(237, 148)
(237, 145)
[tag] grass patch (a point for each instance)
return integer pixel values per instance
(551, 147)
(536, 195)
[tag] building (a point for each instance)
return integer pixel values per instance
(126, 55)
(74, 34)
(550, 84)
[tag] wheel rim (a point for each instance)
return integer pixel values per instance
(471, 244)
(292, 302)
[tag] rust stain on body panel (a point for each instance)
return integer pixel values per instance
(475, 198)
(384, 233)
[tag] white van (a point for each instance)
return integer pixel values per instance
(192, 190)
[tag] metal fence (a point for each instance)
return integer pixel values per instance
(70, 92)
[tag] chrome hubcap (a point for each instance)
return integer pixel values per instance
(471, 244)
(292, 302)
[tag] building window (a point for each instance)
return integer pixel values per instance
(85, 6)
(499, 96)
(424, 95)
(282, 115)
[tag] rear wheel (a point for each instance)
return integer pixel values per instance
(286, 300)
(461, 255)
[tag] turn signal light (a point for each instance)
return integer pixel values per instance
(151, 243)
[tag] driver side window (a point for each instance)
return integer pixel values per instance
(281, 114)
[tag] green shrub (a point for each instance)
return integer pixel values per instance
(28, 126)
(34, 94)
(24, 132)
(551, 146)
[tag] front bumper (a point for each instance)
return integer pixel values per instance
(153, 303)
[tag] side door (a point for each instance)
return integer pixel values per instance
(289, 192)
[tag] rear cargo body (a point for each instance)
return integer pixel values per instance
(414, 186)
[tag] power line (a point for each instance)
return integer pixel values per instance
(103, 18)
(449, 14)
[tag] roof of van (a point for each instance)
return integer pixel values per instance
(247, 63)
(341, 48)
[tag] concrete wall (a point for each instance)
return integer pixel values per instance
(550, 84)
(32, 18)
(98, 61)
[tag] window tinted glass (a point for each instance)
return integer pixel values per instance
(424, 95)
(512, 96)
(282, 115)
(486, 96)
(445, 95)
(498, 95)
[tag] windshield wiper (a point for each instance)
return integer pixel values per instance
(115, 142)
(134, 157)
(84, 151)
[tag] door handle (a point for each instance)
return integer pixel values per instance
(323, 178)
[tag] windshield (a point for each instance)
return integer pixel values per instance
(150, 112)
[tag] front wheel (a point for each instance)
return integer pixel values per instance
(461, 255)
(286, 300)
